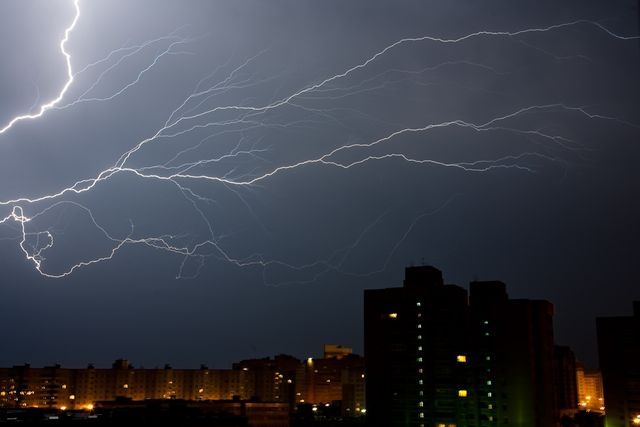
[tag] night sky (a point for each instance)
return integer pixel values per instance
(320, 152)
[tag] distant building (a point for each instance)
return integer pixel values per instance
(436, 358)
(56, 387)
(619, 357)
(335, 381)
(590, 391)
(273, 378)
(333, 351)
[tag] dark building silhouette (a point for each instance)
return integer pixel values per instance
(619, 357)
(416, 342)
(512, 353)
(565, 381)
(437, 358)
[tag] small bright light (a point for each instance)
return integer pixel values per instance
(393, 315)
(462, 393)
(72, 397)
(461, 358)
(89, 407)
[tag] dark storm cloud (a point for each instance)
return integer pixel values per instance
(566, 232)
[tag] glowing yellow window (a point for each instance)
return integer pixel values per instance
(462, 393)
(393, 315)
(461, 358)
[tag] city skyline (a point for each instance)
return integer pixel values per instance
(435, 354)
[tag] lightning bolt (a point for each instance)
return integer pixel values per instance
(194, 114)
(67, 56)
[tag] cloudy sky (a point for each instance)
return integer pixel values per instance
(221, 180)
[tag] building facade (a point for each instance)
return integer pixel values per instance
(619, 357)
(436, 357)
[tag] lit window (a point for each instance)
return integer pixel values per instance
(419, 359)
(127, 385)
(461, 358)
(421, 404)
(393, 315)
(489, 394)
(486, 322)
(419, 348)
(462, 393)
(488, 357)
(421, 414)
(489, 406)
(419, 337)
(419, 325)
(420, 382)
(418, 304)
(489, 382)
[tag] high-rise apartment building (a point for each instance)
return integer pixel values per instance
(619, 357)
(436, 358)
(512, 350)
(416, 353)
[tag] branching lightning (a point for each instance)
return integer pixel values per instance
(190, 167)
(67, 56)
